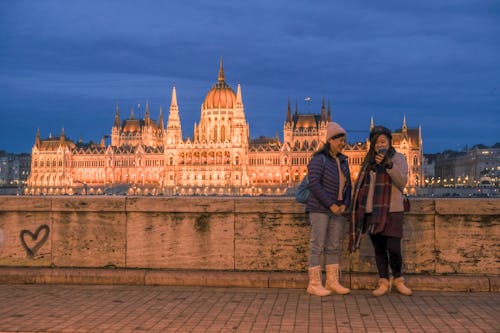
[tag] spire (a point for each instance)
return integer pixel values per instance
(405, 128)
(37, 138)
(289, 112)
(173, 102)
(62, 139)
(160, 119)
(296, 107)
(117, 116)
(329, 114)
(323, 112)
(239, 100)
(132, 113)
(174, 131)
(372, 124)
(221, 71)
(147, 117)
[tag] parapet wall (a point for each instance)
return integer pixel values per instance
(442, 236)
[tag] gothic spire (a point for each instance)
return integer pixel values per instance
(221, 71)
(160, 119)
(323, 112)
(289, 112)
(37, 139)
(174, 131)
(117, 116)
(147, 118)
(329, 114)
(62, 138)
(239, 100)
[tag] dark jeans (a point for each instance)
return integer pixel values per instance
(387, 253)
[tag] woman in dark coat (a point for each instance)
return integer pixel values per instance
(330, 185)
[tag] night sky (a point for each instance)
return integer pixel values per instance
(66, 64)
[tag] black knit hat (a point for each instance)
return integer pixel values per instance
(378, 130)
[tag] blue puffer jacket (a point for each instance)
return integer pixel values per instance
(324, 183)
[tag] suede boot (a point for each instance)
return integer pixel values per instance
(383, 287)
(399, 284)
(332, 280)
(315, 286)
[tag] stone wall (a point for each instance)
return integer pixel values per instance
(442, 236)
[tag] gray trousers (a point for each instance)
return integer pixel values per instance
(326, 238)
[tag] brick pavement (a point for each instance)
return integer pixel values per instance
(121, 308)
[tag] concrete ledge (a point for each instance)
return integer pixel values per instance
(207, 278)
(449, 283)
(494, 283)
(293, 280)
(31, 275)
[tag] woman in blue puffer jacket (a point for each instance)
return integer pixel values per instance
(330, 185)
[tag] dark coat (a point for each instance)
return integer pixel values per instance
(394, 225)
(324, 183)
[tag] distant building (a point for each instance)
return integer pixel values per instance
(14, 171)
(146, 158)
(467, 167)
(429, 166)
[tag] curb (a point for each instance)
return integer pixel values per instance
(241, 279)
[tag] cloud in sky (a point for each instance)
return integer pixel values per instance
(67, 64)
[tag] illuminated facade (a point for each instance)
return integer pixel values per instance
(146, 158)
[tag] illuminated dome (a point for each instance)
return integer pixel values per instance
(306, 121)
(221, 95)
(132, 126)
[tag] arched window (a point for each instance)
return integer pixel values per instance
(223, 133)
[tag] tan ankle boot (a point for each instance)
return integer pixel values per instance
(399, 284)
(315, 286)
(383, 288)
(332, 280)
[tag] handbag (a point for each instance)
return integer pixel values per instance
(303, 192)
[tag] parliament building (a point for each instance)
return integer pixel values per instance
(145, 157)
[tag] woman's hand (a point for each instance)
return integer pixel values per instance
(336, 209)
(342, 209)
(382, 159)
(379, 158)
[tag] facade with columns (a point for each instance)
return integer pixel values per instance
(146, 158)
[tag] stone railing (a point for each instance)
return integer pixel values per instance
(443, 237)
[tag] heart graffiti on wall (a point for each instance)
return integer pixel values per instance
(36, 241)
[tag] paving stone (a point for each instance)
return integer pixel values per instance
(133, 308)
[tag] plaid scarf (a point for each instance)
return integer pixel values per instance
(359, 225)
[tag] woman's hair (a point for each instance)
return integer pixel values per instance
(370, 156)
(324, 149)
